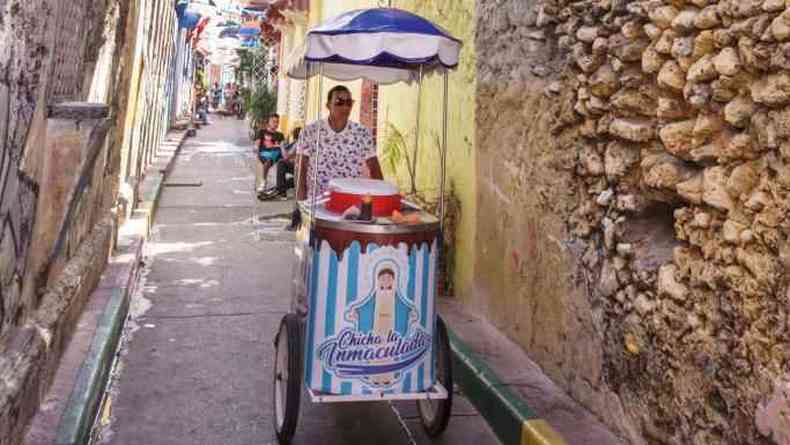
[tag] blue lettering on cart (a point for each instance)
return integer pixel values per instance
(355, 354)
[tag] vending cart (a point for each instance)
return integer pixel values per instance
(363, 324)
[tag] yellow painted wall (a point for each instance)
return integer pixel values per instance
(398, 103)
(398, 106)
(136, 61)
(287, 36)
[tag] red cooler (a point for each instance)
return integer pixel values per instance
(344, 193)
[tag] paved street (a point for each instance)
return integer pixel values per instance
(197, 355)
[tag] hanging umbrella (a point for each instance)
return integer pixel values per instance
(232, 32)
(227, 23)
(198, 30)
(250, 28)
(226, 43)
(202, 8)
(181, 7)
(382, 44)
(188, 20)
(250, 43)
(249, 31)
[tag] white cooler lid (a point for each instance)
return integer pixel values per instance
(361, 186)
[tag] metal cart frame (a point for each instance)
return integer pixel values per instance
(435, 403)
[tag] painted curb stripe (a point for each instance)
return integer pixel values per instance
(539, 432)
(511, 419)
(77, 419)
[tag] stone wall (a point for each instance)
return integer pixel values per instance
(633, 179)
(54, 204)
(19, 89)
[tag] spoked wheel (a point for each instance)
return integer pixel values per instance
(435, 413)
(287, 378)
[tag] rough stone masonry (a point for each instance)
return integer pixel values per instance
(663, 127)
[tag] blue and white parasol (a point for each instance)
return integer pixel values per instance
(385, 45)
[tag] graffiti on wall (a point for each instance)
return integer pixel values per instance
(18, 196)
(27, 64)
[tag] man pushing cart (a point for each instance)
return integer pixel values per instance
(363, 325)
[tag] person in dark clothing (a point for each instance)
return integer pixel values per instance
(268, 141)
(216, 95)
(284, 167)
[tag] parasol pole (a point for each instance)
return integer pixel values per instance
(416, 133)
(444, 152)
(300, 175)
(316, 162)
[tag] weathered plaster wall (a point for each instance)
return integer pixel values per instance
(21, 85)
(633, 164)
(40, 72)
(143, 110)
(52, 247)
(398, 107)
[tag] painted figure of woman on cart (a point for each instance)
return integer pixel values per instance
(383, 313)
(385, 309)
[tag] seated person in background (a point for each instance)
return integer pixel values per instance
(268, 146)
(284, 167)
(269, 153)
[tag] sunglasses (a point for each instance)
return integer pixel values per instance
(343, 102)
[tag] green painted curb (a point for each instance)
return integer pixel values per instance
(504, 410)
(77, 419)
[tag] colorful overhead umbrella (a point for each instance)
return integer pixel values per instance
(181, 7)
(250, 43)
(231, 31)
(249, 31)
(382, 44)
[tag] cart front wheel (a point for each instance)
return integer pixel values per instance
(435, 413)
(287, 378)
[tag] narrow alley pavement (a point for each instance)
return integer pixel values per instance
(196, 357)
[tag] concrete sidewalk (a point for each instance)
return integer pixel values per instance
(520, 403)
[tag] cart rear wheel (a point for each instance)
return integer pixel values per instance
(435, 413)
(287, 378)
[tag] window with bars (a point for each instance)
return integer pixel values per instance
(369, 104)
(69, 54)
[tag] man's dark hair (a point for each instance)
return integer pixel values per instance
(386, 272)
(271, 116)
(336, 89)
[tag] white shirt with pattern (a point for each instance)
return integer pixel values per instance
(342, 155)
